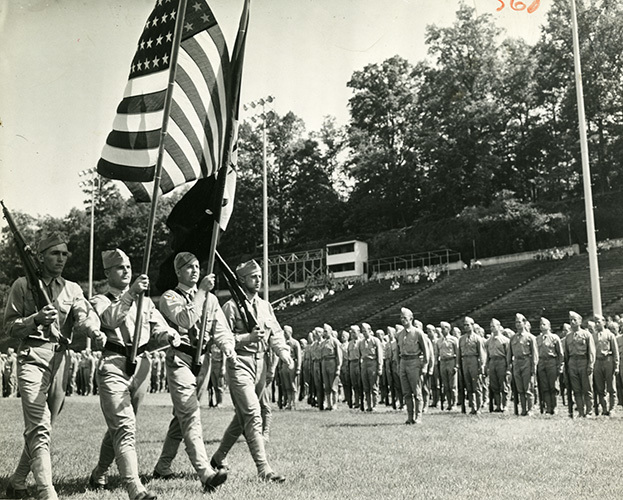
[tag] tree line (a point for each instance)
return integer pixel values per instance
(476, 146)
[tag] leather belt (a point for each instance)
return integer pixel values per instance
(123, 350)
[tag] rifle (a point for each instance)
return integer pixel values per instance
(31, 269)
(240, 298)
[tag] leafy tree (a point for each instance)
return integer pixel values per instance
(386, 190)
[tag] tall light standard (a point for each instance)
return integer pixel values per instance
(262, 102)
(92, 184)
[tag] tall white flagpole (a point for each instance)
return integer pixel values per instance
(586, 171)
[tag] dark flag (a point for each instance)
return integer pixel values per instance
(192, 219)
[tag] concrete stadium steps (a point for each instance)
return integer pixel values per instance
(567, 288)
(347, 307)
(465, 291)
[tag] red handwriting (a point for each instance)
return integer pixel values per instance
(519, 5)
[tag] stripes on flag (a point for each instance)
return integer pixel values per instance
(194, 144)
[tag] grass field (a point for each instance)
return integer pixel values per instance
(347, 454)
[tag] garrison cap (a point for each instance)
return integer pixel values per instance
(247, 268)
(50, 241)
(406, 312)
(547, 322)
(520, 317)
(573, 314)
(116, 257)
(182, 259)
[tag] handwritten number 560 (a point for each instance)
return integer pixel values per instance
(519, 5)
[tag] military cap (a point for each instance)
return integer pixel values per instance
(247, 268)
(182, 259)
(112, 258)
(327, 327)
(406, 312)
(467, 319)
(520, 317)
(573, 314)
(366, 326)
(50, 241)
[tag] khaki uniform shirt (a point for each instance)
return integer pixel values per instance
(117, 312)
(74, 312)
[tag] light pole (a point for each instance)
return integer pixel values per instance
(92, 184)
(262, 102)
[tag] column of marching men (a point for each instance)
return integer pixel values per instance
(47, 370)
(417, 367)
(407, 367)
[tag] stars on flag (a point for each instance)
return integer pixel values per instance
(155, 44)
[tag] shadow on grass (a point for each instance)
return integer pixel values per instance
(369, 424)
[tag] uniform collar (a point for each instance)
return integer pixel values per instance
(116, 291)
(187, 289)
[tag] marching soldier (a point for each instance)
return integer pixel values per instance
(247, 375)
(290, 375)
(497, 347)
(316, 357)
(122, 389)
(413, 353)
(580, 359)
(354, 366)
(428, 382)
(347, 386)
(371, 356)
(606, 364)
(303, 383)
(522, 361)
(398, 403)
(183, 307)
(331, 365)
(43, 358)
(387, 367)
(550, 364)
(448, 350)
(10, 374)
(383, 378)
(472, 362)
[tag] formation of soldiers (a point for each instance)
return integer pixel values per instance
(188, 323)
(408, 365)
(415, 366)
(8, 374)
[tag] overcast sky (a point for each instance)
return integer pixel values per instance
(64, 65)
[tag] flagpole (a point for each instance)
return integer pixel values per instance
(233, 82)
(586, 172)
(177, 38)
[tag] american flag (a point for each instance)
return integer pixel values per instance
(193, 147)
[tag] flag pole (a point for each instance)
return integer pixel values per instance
(177, 38)
(586, 172)
(233, 82)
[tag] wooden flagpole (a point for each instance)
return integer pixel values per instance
(233, 99)
(177, 38)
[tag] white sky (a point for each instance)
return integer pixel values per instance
(64, 65)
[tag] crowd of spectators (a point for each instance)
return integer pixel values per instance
(554, 254)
